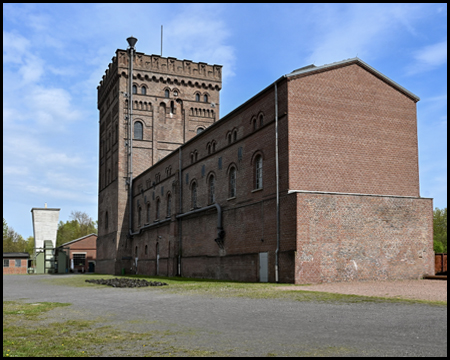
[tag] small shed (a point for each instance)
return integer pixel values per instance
(15, 262)
(82, 253)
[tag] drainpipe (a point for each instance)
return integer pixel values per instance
(131, 41)
(180, 180)
(277, 184)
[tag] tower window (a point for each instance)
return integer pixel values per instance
(194, 195)
(166, 93)
(197, 97)
(211, 194)
(199, 130)
(205, 98)
(138, 130)
(258, 172)
(232, 192)
(134, 89)
(143, 90)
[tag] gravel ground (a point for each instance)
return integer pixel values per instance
(407, 289)
(244, 327)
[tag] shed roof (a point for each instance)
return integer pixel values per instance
(73, 241)
(11, 255)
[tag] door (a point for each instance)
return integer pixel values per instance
(157, 259)
(263, 267)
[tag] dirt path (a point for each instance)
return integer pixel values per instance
(407, 289)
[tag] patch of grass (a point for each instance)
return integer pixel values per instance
(24, 335)
(223, 288)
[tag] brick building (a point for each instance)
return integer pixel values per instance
(15, 263)
(81, 253)
(313, 179)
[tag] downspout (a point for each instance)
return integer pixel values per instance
(277, 184)
(180, 181)
(130, 142)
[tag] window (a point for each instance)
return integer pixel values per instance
(18, 263)
(234, 135)
(194, 195)
(229, 138)
(148, 213)
(5, 262)
(197, 97)
(106, 220)
(258, 172)
(138, 130)
(169, 205)
(143, 90)
(166, 93)
(232, 192)
(134, 89)
(139, 215)
(211, 195)
(254, 124)
(172, 107)
(79, 259)
(157, 208)
(213, 146)
(199, 130)
(205, 98)
(261, 120)
(146, 249)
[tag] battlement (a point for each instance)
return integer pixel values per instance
(164, 66)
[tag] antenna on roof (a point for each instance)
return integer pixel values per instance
(161, 38)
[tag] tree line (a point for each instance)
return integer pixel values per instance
(79, 224)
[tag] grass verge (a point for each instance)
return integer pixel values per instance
(221, 288)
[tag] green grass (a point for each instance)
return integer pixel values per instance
(221, 288)
(27, 332)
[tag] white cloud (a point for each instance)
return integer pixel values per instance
(347, 31)
(429, 58)
(199, 34)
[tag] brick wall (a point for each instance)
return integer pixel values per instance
(344, 237)
(12, 269)
(351, 132)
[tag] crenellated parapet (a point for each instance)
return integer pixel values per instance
(160, 69)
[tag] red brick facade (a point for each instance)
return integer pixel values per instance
(84, 247)
(11, 262)
(348, 178)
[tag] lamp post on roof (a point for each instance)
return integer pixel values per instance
(131, 50)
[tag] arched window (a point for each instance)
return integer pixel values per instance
(138, 130)
(106, 220)
(169, 205)
(194, 195)
(157, 208)
(229, 138)
(195, 155)
(232, 182)
(261, 120)
(192, 158)
(199, 130)
(172, 107)
(258, 172)
(254, 124)
(197, 97)
(134, 89)
(205, 98)
(166, 93)
(139, 215)
(211, 190)
(213, 147)
(146, 250)
(234, 135)
(143, 90)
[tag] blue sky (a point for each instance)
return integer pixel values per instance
(54, 56)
